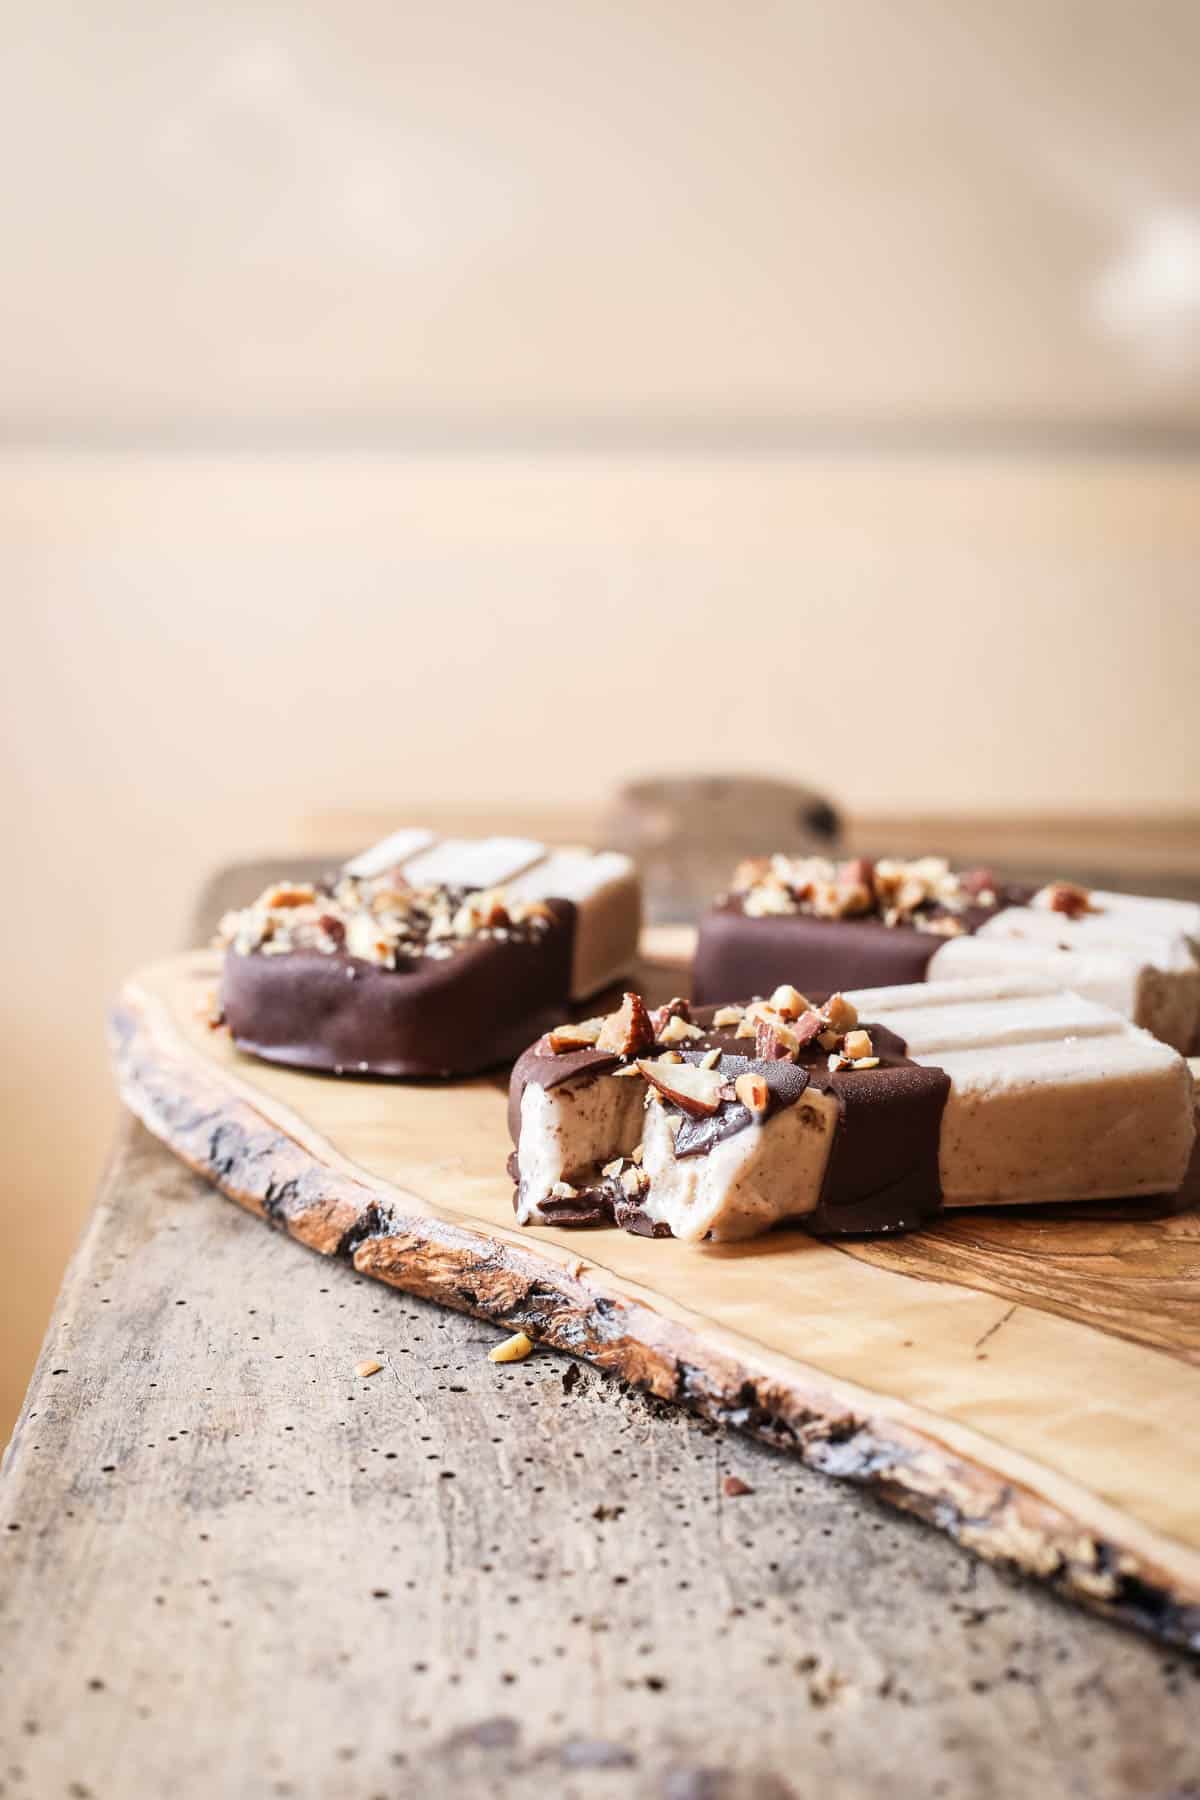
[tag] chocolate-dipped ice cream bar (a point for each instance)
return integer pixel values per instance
(426, 956)
(860, 923)
(869, 1113)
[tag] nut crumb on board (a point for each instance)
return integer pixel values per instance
(513, 1349)
(370, 1367)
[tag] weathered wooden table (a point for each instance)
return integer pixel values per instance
(232, 1567)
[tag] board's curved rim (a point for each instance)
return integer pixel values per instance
(215, 1127)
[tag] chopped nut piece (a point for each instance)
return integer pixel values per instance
(733, 1486)
(858, 872)
(727, 1015)
(696, 1091)
(1065, 897)
(858, 1043)
(788, 1002)
(466, 921)
(288, 893)
(941, 925)
(562, 1190)
(367, 1368)
(839, 1013)
(750, 872)
(752, 1091)
(678, 1031)
(829, 1040)
(710, 1059)
(333, 928)
(748, 1027)
(514, 1349)
(582, 1036)
(768, 900)
(674, 1009)
(807, 1027)
(838, 1061)
(866, 1062)
(775, 1042)
(612, 1169)
(760, 1009)
(492, 908)
(634, 1181)
(827, 900)
(386, 900)
(628, 1031)
(366, 939)
(898, 891)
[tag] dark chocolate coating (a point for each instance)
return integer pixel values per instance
(739, 954)
(454, 1015)
(882, 1173)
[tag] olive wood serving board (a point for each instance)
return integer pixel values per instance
(1029, 1384)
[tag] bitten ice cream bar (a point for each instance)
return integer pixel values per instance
(822, 925)
(867, 1113)
(426, 955)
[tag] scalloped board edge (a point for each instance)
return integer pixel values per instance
(993, 1501)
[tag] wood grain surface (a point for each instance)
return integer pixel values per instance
(228, 1567)
(1034, 1436)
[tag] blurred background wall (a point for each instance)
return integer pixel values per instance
(480, 403)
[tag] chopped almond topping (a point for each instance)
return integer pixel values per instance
(752, 1091)
(696, 1091)
(911, 892)
(678, 1031)
(775, 1042)
(726, 1016)
(674, 1009)
(788, 1002)
(807, 1027)
(1066, 897)
(628, 1031)
(581, 1036)
(858, 1043)
(839, 1014)
(288, 893)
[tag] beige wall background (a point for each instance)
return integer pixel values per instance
(412, 406)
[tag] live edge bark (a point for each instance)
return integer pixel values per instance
(224, 1137)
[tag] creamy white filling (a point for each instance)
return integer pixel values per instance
(749, 1181)
(570, 1131)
